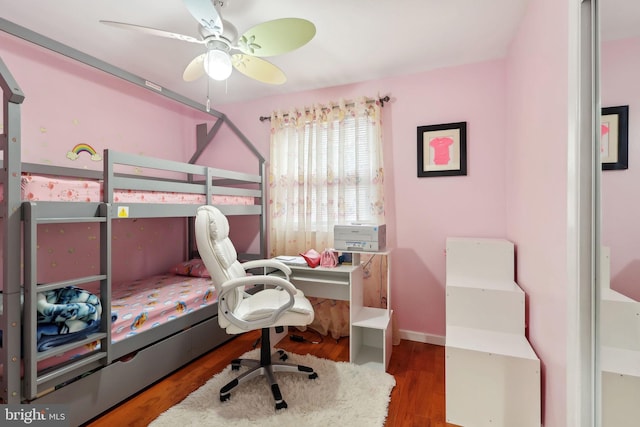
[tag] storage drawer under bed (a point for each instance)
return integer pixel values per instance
(88, 397)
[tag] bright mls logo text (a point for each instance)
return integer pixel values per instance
(17, 415)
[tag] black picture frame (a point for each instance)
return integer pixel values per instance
(442, 149)
(614, 138)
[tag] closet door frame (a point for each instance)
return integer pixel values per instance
(583, 219)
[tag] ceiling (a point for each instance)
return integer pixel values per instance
(356, 40)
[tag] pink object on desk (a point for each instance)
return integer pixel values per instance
(312, 257)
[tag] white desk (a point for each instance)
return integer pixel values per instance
(370, 340)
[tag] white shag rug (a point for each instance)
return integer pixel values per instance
(343, 394)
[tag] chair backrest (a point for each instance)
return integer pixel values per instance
(218, 253)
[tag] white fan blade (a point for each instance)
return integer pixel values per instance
(195, 69)
(258, 69)
(276, 37)
(153, 31)
(206, 14)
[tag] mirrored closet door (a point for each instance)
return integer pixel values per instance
(618, 364)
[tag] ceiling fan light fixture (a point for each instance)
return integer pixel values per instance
(217, 64)
(224, 51)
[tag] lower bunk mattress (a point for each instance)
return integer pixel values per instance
(145, 304)
(141, 305)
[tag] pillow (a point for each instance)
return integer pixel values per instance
(193, 268)
(182, 269)
(198, 269)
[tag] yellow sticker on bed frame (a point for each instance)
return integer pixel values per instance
(123, 212)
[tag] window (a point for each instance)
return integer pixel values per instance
(326, 168)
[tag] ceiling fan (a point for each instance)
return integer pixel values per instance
(225, 50)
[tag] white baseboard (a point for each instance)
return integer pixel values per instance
(422, 337)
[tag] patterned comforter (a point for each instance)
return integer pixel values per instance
(66, 315)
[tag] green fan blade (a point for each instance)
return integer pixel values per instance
(277, 37)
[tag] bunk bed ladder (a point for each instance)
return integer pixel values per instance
(10, 141)
(41, 213)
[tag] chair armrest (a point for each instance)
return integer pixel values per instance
(267, 263)
(267, 319)
(258, 280)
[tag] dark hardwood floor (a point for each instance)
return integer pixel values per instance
(418, 398)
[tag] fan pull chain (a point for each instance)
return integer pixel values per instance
(208, 92)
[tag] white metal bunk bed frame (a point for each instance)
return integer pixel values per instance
(181, 340)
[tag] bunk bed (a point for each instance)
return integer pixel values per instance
(102, 367)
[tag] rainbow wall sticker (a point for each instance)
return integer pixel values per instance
(83, 148)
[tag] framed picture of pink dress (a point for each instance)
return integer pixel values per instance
(614, 138)
(442, 150)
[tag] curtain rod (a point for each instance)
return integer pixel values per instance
(350, 104)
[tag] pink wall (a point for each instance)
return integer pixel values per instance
(68, 103)
(423, 212)
(620, 67)
(536, 194)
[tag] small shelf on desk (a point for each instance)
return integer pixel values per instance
(370, 317)
(327, 279)
(356, 254)
(333, 283)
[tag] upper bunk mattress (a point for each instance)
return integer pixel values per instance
(58, 189)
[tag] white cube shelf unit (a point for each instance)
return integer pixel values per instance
(492, 375)
(619, 352)
(370, 341)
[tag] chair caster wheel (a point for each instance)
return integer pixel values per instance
(281, 405)
(313, 376)
(225, 397)
(284, 356)
(235, 367)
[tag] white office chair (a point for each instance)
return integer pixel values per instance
(278, 304)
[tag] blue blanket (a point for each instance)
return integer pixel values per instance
(66, 315)
(71, 309)
(48, 336)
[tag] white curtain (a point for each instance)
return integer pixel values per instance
(326, 168)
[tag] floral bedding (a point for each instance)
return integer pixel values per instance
(141, 305)
(41, 188)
